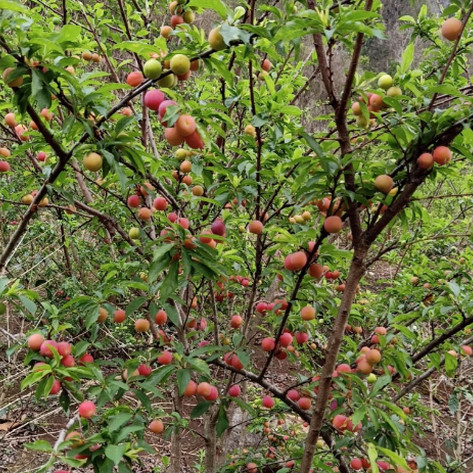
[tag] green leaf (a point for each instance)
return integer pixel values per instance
(44, 387)
(34, 377)
(157, 268)
(81, 347)
(29, 305)
(373, 455)
(222, 421)
(445, 89)
(394, 103)
(123, 123)
(453, 403)
(12, 6)
(203, 269)
(135, 304)
(200, 409)
(382, 381)
(374, 416)
(124, 468)
(199, 365)
(169, 283)
(143, 399)
(454, 287)
(3, 284)
(358, 415)
(136, 285)
(299, 27)
(39, 445)
(119, 420)
(64, 401)
(141, 48)
(407, 58)
(162, 250)
(215, 5)
(407, 18)
(105, 465)
(172, 313)
(314, 145)
(68, 33)
(232, 34)
(393, 407)
(183, 378)
(161, 374)
(36, 83)
(451, 364)
(129, 429)
(394, 457)
(115, 453)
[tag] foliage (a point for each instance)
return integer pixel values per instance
(269, 156)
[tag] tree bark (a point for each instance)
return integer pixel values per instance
(176, 445)
(357, 270)
(210, 432)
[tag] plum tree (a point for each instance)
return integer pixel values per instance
(244, 216)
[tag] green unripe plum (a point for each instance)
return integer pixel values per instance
(134, 233)
(188, 16)
(181, 154)
(168, 81)
(385, 81)
(180, 64)
(394, 92)
(152, 69)
(216, 40)
(371, 378)
(362, 121)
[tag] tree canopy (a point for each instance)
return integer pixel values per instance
(222, 227)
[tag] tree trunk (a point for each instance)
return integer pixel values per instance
(357, 270)
(210, 432)
(176, 445)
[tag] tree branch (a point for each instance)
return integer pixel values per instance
(416, 381)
